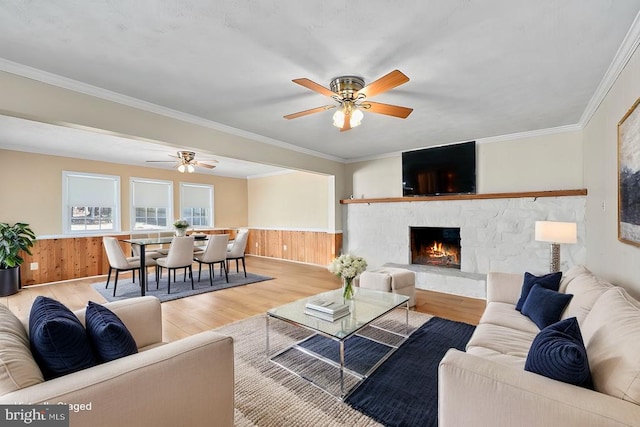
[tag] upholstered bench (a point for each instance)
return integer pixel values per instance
(390, 279)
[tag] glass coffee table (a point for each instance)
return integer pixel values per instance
(337, 356)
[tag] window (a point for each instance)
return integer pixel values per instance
(196, 204)
(151, 204)
(91, 202)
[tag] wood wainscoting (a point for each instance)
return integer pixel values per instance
(74, 257)
(311, 247)
(68, 258)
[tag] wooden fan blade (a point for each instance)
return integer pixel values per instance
(160, 161)
(384, 83)
(347, 122)
(204, 165)
(387, 109)
(309, 84)
(307, 112)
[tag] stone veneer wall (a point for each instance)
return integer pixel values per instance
(495, 234)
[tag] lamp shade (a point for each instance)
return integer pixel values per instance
(556, 232)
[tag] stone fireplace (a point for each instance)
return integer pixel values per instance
(437, 246)
(495, 234)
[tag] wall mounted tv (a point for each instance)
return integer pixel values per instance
(448, 169)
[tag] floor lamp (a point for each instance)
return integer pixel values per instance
(556, 233)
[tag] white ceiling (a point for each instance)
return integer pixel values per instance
(478, 69)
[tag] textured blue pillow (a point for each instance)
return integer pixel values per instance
(109, 336)
(545, 306)
(549, 281)
(558, 352)
(59, 342)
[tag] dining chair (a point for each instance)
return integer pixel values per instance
(180, 255)
(119, 262)
(236, 252)
(214, 253)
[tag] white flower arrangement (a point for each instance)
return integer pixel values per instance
(348, 266)
(181, 223)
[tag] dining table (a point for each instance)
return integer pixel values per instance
(143, 243)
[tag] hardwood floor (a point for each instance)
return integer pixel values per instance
(292, 281)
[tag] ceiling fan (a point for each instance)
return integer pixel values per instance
(186, 162)
(351, 95)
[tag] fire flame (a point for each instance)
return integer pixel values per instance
(440, 251)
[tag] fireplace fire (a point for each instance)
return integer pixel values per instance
(435, 246)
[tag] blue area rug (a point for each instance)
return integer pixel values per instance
(360, 354)
(404, 390)
(179, 289)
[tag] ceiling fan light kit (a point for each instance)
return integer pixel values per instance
(186, 162)
(350, 93)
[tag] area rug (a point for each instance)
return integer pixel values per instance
(179, 289)
(268, 396)
(404, 390)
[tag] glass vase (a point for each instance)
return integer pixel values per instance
(347, 288)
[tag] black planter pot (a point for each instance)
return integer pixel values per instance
(9, 281)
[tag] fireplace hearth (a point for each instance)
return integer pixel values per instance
(436, 246)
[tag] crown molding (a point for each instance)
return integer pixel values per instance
(87, 89)
(620, 60)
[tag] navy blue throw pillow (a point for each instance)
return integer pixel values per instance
(545, 306)
(109, 336)
(558, 352)
(59, 342)
(549, 281)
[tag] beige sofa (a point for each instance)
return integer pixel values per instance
(488, 386)
(189, 382)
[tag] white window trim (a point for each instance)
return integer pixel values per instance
(66, 219)
(132, 208)
(211, 201)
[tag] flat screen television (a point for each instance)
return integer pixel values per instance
(448, 169)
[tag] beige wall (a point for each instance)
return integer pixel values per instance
(31, 99)
(296, 200)
(376, 178)
(32, 190)
(606, 255)
(549, 162)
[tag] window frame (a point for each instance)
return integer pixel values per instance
(211, 206)
(132, 206)
(66, 204)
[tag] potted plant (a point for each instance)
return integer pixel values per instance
(181, 226)
(13, 239)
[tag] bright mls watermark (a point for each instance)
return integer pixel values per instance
(34, 415)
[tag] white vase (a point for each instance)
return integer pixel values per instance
(181, 232)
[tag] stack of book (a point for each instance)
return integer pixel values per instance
(326, 310)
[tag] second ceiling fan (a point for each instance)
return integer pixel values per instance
(352, 95)
(186, 162)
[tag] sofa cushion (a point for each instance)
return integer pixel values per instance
(497, 357)
(545, 306)
(504, 314)
(502, 340)
(611, 333)
(558, 352)
(586, 289)
(59, 342)
(18, 369)
(109, 337)
(548, 281)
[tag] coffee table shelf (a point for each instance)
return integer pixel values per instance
(340, 372)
